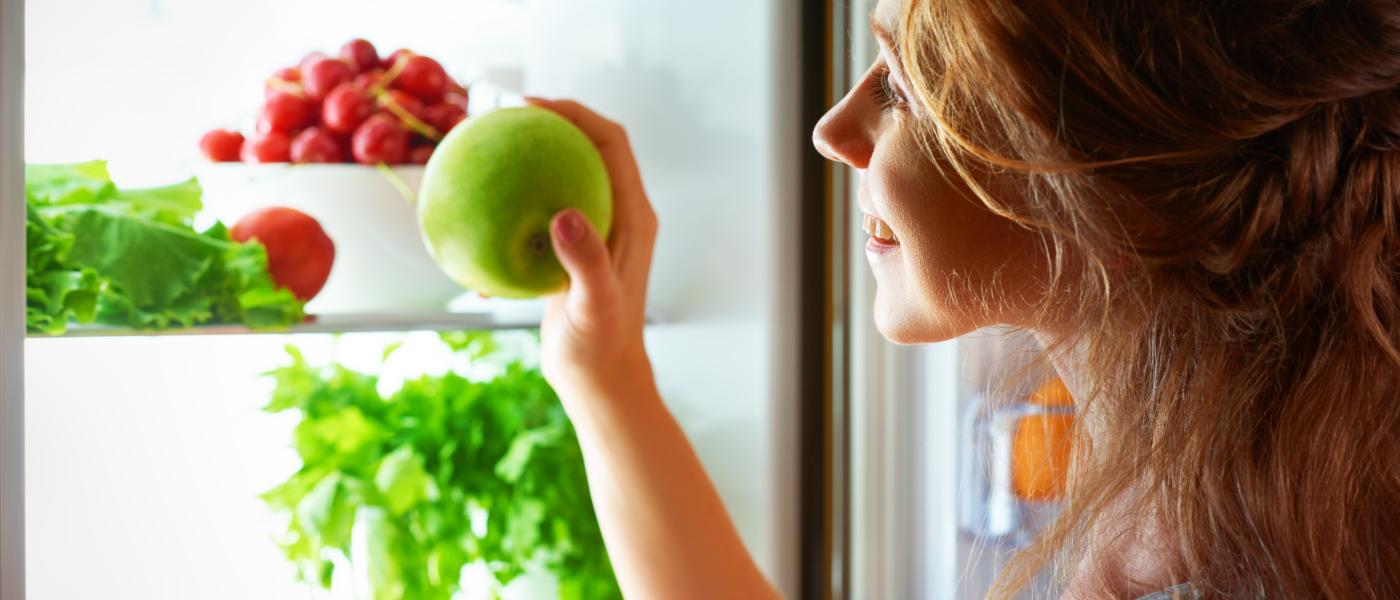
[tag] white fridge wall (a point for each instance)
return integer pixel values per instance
(145, 457)
(708, 92)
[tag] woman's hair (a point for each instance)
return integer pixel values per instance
(1218, 186)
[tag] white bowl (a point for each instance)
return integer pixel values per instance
(381, 265)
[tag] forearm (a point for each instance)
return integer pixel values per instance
(665, 526)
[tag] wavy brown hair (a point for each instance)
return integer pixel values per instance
(1218, 183)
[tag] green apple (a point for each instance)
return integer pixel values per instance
(490, 190)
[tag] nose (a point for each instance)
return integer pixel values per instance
(843, 136)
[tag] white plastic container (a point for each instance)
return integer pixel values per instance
(381, 265)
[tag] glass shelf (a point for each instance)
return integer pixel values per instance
(526, 316)
(345, 323)
(468, 312)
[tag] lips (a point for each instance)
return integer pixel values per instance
(882, 242)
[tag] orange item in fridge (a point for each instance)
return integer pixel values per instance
(1052, 393)
(1040, 450)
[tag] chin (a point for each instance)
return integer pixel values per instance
(905, 325)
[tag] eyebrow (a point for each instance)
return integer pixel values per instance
(883, 35)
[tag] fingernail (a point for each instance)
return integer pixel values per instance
(568, 226)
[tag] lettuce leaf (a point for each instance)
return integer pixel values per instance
(80, 183)
(83, 185)
(130, 258)
(55, 293)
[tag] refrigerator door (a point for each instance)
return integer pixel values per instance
(12, 300)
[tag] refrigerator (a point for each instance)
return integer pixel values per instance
(134, 460)
(131, 462)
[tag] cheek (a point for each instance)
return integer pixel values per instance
(960, 266)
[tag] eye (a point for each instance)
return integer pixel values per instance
(884, 91)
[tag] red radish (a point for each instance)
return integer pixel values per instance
(310, 58)
(299, 253)
(286, 112)
(288, 74)
(319, 77)
(456, 98)
(222, 145)
(423, 77)
(380, 140)
(444, 116)
(393, 58)
(316, 145)
(404, 101)
(285, 80)
(456, 88)
(360, 54)
(367, 80)
(268, 147)
(419, 155)
(345, 109)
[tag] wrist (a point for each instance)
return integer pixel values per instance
(601, 398)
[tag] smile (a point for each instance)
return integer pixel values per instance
(882, 240)
(879, 230)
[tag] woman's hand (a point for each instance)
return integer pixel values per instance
(666, 529)
(592, 334)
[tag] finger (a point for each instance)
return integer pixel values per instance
(585, 259)
(608, 136)
(634, 220)
(632, 258)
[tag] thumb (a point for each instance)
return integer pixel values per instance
(584, 256)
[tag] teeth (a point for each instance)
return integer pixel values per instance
(878, 229)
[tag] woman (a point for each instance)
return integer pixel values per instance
(1194, 204)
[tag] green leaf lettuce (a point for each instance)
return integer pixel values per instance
(130, 258)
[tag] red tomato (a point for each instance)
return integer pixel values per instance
(299, 253)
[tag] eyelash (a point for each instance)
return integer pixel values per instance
(884, 92)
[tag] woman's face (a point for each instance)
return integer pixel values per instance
(944, 265)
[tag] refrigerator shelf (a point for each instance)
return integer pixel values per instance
(338, 323)
(335, 323)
